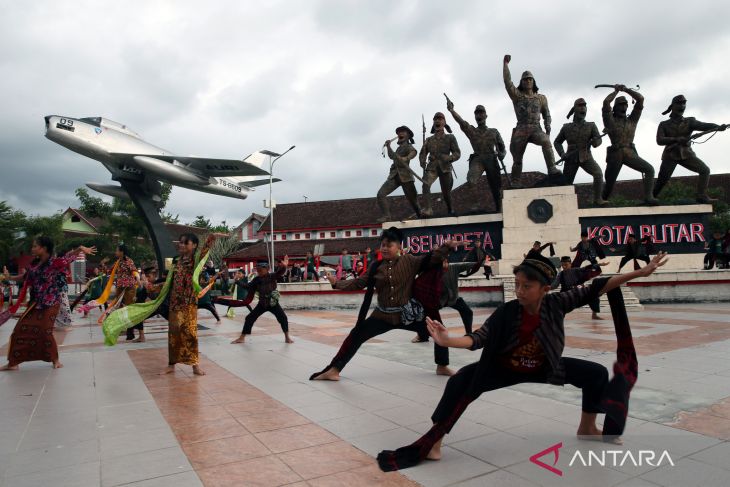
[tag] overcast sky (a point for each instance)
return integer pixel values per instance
(225, 78)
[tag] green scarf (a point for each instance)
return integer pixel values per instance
(121, 319)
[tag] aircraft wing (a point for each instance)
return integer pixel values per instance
(208, 166)
(259, 182)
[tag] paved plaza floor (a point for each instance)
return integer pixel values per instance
(109, 418)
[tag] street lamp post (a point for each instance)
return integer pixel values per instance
(273, 157)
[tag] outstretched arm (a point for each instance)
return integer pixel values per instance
(441, 336)
(508, 84)
(617, 280)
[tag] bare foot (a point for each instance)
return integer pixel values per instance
(139, 340)
(287, 339)
(417, 339)
(57, 365)
(435, 453)
(218, 322)
(197, 370)
(8, 367)
(589, 433)
(444, 370)
(241, 339)
(169, 370)
(330, 374)
(595, 316)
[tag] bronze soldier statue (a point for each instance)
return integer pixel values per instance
(621, 130)
(674, 134)
(441, 150)
(488, 146)
(400, 174)
(529, 106)
(581, 135)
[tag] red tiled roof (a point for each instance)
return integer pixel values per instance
(349, 213)
(298, 248)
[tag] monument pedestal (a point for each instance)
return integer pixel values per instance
(544, 214)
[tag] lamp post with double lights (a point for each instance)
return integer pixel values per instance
(273, 157)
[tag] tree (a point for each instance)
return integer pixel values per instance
(222, 247)
(49, 226)
(93, 206)
(201, 222)
(222, 228)
(11, 222)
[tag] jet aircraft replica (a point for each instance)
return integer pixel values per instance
(134, 161)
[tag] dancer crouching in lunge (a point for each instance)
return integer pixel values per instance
(523, 341)
(570, 278)
(393, 278)
(32, 337)
(265, 284)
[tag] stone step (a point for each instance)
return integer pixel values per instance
(630, 300)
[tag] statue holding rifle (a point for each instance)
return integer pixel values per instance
(437, 154)
(401, 175)
(488, 148)
(676, 136)
(580, 136)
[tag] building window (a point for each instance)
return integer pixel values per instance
(75, 219)
(347, 233)
(296, 236)
(307, 236)
(374, 232)
(275, 237)
(283, 236)
(358, 233)
(332, 234)
(321, 234)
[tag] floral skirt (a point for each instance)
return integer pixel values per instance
(182, 336)
(63, 318)
(32, 337)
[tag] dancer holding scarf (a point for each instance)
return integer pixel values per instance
(523, 341)
(393, 278)
(32, 337)
(183, 329)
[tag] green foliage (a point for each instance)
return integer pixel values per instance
(223, 247)
(93, 206)
(11, 222)
(201, 222)
(677, 193)
(168, 218)
(50, 226)
(222, 228)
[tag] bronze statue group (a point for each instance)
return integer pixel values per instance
(441, 150)
(522, 341)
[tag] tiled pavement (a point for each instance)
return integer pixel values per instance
(108, 417)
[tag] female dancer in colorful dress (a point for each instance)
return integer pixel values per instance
(32, 337)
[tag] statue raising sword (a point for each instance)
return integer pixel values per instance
(621, 129)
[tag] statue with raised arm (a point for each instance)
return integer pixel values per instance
(439, 151)
(581, 136)
(621, 129)
(675, 135)
(488, 147)
(529, 107)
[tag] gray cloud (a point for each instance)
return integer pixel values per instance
(334, 78)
